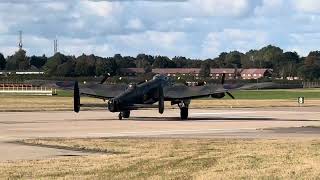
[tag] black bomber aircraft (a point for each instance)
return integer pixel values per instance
(125, 98)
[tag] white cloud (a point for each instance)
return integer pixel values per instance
(153, 42)
(73, 46)
(221, 7)
(56, 6)
(194, 28)
(307, 6)
(233, 39)
(303, 43)
(272, 7)
(100, 8)
(135, 24)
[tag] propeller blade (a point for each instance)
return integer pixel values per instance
(105, 78)
(223, 78)
(161, 100)
(76, 97)
(229, 94)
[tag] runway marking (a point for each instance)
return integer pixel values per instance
(171, 132)
(218, 113)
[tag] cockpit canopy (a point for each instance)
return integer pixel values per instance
(132, 86)
(160, 76)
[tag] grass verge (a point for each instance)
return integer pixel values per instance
(157, 158)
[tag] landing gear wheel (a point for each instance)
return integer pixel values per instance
(126, 114)
(184, 112)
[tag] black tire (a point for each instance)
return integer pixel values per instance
(184, 113)
(120, 116)
(126, 114)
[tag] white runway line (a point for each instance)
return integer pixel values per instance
(170, 132)
(219, 113)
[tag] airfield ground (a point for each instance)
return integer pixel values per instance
(261, 138)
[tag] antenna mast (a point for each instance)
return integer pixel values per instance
(20, 40)
(55, 46)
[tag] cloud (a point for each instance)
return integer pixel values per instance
(99, 8)
(152, 42)
(194, 28)
(307, 6)
(135, 24)
(233, 39)
(221, 8)
(303, 43)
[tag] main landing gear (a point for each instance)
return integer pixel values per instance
(184, 110)
(124, 114)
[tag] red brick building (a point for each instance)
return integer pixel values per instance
(216, 73)
(177, 71)
(230, 73)
(255, 73)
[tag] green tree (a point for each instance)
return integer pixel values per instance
(181, 62)
(55, 65)
(85, 65)
(2, 62)
(233, 59)
(313, 58)
(105, 66)
(160, 62)
(19, 61)
(66, 69)
(38, 61)
(309, 72)
(288, 65)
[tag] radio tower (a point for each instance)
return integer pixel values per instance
(55, 46)
(20, 40)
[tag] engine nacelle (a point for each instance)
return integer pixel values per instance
(218, 95)
(113, 105)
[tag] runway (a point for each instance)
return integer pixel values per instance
(203, 123)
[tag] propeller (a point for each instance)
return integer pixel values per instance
(76, 97)
(223, 78)
(161, 100)
(105, 78)
(222, 82)
(229, 94)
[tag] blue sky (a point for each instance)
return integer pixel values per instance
(191, 28)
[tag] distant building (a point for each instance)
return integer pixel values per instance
(177, 71)
(131, 71)
(230, 73)
(215, 73)
(255, 73)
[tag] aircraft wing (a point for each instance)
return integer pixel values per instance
(181, 91)
(101, 91)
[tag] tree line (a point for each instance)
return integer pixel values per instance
(284, 64)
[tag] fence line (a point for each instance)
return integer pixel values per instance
(28, 90)
(311, 84)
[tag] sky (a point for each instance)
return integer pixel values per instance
(191, 28)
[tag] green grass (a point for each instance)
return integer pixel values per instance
(277, 94)
(64, 93)
(254, 94)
